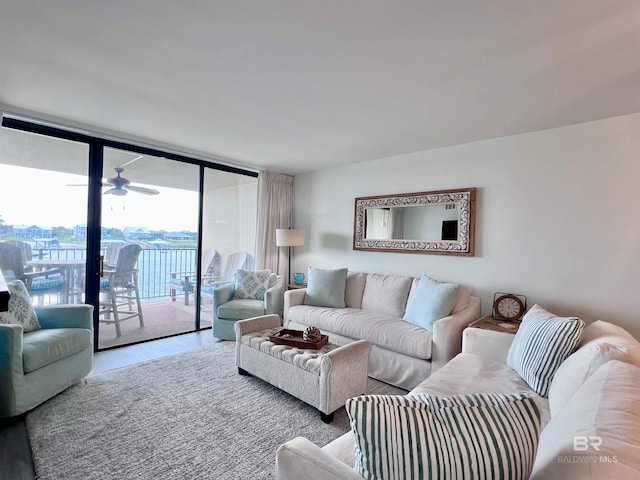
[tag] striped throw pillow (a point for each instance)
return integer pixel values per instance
(542, 343)
(480, 436)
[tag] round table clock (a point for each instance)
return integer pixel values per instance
(508, 306)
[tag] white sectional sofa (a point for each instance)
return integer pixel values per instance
(402, 354)
(590, 420)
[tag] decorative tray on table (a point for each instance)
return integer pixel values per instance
(295, 338)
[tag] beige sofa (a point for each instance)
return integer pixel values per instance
(590, 420)
(402, 354)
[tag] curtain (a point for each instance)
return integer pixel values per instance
(275, 210)
(384, 223)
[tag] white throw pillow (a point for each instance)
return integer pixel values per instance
(325, 288)
(431, 301)
(580, 365)
(386, 294)
(480, 436)
(20, 310)
(251, 284)
(542, 343)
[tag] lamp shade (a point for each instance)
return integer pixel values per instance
(289, 237)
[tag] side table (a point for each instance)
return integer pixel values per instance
(489, 337)
(490, 323)
(294, 286)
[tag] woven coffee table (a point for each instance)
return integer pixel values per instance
(323, 378)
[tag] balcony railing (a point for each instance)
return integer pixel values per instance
(155, 265)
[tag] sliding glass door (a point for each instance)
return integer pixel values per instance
(149, 246)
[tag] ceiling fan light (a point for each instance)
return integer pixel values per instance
(119, 192)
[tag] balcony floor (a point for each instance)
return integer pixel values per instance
(162, 318)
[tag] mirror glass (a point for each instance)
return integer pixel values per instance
(424, 222)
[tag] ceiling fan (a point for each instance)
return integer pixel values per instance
(120, 186)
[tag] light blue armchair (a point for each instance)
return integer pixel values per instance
(227, 310)
(38, 365)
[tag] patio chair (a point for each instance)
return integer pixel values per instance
(120, 286)
(111, 255)
(235, 261)
(185, 281)
(39, 283)
(27, 252)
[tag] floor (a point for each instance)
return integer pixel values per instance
(15, 455)
(162, 318)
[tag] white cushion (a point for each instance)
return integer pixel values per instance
(600, 328)
(20, 310)
(386, 294)
(431, 301)
(385, 331)
(467, 436)
(251, 284)
(542, 343)
(595, 434)
(579, 366)
(354, 288)
(326, 287)
(462, 302)
(469, 373)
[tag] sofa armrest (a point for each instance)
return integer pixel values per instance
(487, 343)
(222, 295)
(447, 333)
(292, 298)
(11, 367)
(66, 316)
(346, 354)
(255, 324)
(10, 345)
(300, 458)
(273, 297)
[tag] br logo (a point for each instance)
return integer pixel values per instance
(584, 443)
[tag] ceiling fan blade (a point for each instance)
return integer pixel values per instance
(145, 190)
(131, 161)
(119, 192)
(104, 184)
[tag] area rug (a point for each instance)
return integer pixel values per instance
(189, 415)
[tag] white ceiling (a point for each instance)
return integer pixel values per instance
(298, 85)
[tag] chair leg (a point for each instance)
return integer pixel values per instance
(114, 308)
(137, 291)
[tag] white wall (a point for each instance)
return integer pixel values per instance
(558, 217)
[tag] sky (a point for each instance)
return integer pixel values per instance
(45, 198)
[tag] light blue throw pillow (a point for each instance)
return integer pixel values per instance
(326, 287)
(430, 302)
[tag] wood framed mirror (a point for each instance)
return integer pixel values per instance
(439, 222)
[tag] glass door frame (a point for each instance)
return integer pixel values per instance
(94, 197)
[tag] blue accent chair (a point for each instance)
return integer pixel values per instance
(36, 366)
